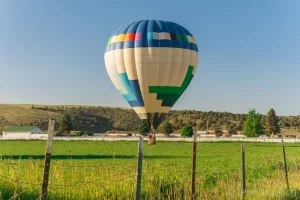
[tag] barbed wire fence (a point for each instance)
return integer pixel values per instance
(118, 177)
(23, 186)
(136, 172)
(98, 182)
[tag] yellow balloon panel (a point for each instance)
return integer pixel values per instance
(151, 67)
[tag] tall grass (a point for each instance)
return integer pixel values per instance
(107, 170)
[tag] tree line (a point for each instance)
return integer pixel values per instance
(253, 124)
(103, 119)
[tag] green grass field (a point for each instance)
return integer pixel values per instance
(107, 170)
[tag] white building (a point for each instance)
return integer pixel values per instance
(201, 133)
(22, 132)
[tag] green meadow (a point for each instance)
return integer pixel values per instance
(107, 170)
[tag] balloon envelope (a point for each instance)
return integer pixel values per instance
(151, 63)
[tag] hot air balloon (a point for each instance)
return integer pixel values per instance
(151, 63)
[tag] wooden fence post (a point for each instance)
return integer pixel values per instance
(243, 172)
(193, 197)
(47, 159)
(139, 169)
(285, 165)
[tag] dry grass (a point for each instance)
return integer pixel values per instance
(23, 114)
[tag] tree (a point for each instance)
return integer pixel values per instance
(144, 127)
(272, 126)
(65, 125)
(253, 126)
(187, 131)
(166, 128)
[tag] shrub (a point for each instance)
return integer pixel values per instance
(187, 131)
(129, 134)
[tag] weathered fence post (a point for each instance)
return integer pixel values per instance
(193, 197)
(47, 159)
(243, 172)
(139, 169)
(285, 165)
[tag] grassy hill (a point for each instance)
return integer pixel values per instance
(88, 118)
(102, 119)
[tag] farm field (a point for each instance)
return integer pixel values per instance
(107, 170)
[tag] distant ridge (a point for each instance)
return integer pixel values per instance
(104, 118)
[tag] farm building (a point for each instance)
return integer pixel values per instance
(21, 132)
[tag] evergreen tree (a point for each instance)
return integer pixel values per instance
(272, 126)
(187, 131)
(253, 126)
(166, 128)
(65, 124)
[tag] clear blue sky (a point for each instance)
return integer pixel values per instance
(51, 52)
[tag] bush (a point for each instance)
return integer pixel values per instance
(187, 131)
(129, 134)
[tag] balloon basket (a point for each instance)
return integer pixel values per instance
(151, 139)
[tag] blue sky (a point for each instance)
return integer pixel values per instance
(51, 52)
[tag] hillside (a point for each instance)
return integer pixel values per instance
(102, 119)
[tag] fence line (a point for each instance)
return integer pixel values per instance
(138, 170)
(19, 181)
(115, 177)
(89, 182)
(171, 139)
(163, 165)
(56, 186)
(99, 185)
(89, 166)
(64, 165)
